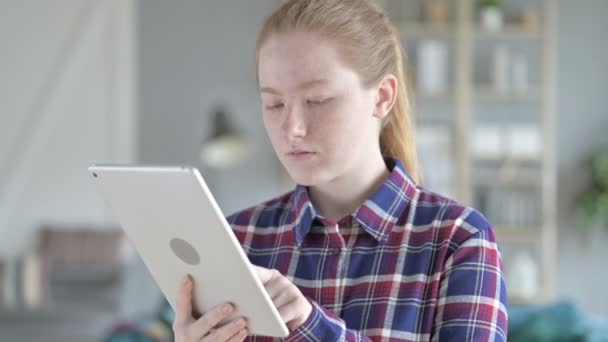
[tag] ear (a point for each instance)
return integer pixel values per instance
(386, 95)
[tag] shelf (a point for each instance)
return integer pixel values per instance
(425, 30)
(426, 97)
(517, 161)
(509, 186)
(537, 300)
(521, 234)
(430, 120)
(52, 311)
(516, 180)
(448, 31)
(509, 32)
(487, 92)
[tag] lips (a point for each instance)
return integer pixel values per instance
(300, 154)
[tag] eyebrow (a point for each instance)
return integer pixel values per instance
(304, 85)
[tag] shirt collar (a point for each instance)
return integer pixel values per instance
(377, 215)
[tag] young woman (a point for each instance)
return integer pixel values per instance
(357, 251)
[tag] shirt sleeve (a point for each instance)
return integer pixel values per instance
(472, 296)
(324, 325)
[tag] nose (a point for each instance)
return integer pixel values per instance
(294, 123)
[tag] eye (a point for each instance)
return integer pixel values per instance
(275, 106)
(316, 102)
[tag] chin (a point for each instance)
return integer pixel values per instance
(311, 173)
(303, 177)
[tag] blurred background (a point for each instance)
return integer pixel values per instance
(511, 118)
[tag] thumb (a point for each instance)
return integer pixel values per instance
(183, 312)
(264, 274)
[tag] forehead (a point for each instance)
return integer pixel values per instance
(287, 60)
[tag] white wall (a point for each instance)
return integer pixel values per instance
(66, 102)
(194, 55)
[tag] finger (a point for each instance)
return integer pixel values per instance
(183, 312)
(264, 274)
(240, 336)
(211, 318)
(288, 311)
(227, 331)
(283, 297)
(276, 286)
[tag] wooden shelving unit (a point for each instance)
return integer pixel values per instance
(464, 37)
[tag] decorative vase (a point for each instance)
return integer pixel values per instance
(500, 69)
(491, 18)
(432, 76)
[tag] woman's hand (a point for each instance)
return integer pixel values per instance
(205, 328)
(293, 307)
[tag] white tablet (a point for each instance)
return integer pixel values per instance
(176, 226)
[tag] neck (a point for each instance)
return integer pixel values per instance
(342, 195)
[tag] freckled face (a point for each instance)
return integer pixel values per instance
(315, 105)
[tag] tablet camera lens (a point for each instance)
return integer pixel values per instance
(185, 251)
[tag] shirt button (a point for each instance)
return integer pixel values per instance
(337, 251)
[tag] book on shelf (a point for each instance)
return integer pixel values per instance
(434, 144)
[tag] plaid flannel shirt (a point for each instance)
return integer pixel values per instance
(407, 265)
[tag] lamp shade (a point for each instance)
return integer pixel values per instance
(226, 146)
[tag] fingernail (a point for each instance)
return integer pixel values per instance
(228, 308)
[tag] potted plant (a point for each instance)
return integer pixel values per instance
(592, 204)
(491, 14)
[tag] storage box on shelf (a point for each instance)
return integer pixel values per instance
(68, 269)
